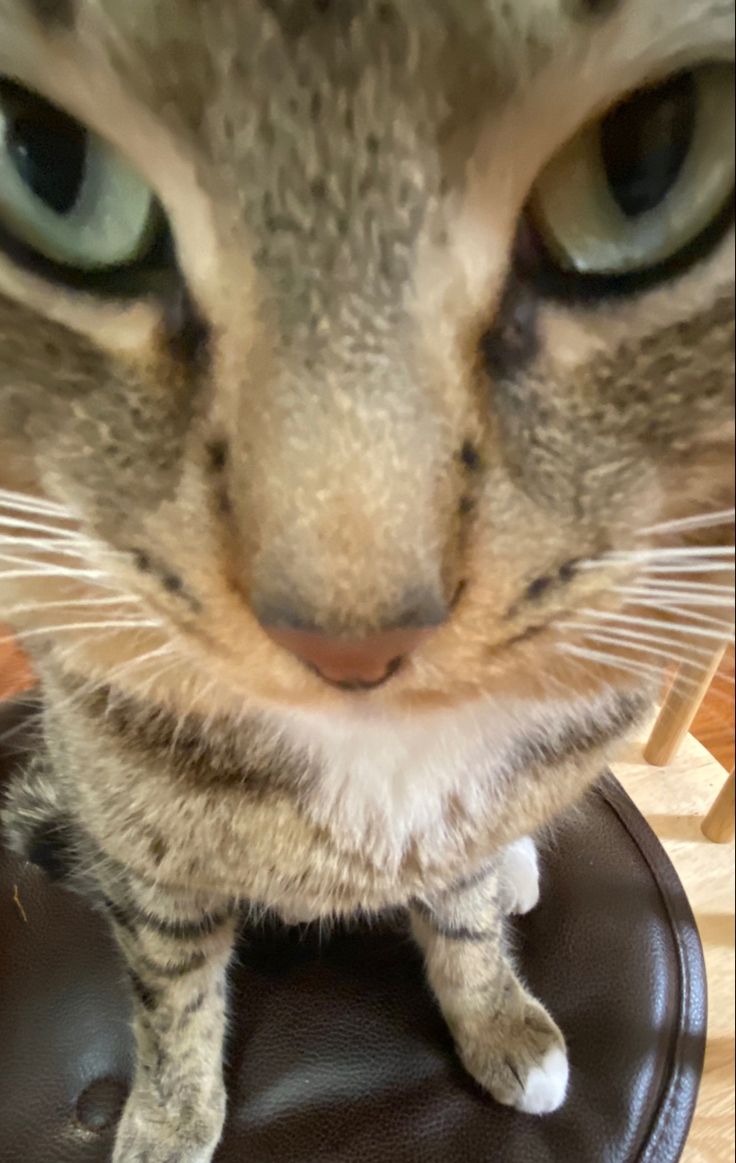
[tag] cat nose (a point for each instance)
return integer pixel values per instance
(351, 663)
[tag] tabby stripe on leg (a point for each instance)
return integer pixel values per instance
(146, 994)
(451, 932)
(193, 1007)
(132, 919)
(471, 881)
(203, 926)
(181, 969)
(120, 915)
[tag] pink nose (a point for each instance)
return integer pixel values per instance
(363, 662)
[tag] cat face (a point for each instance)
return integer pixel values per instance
(359, 318)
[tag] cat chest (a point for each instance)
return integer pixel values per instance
(368, 827)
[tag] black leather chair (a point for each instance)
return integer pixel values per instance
(337, 1053)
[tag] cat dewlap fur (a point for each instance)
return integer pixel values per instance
(366, 418)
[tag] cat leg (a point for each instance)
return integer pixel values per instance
(176, 951)
(504, 1037)
(177, 958)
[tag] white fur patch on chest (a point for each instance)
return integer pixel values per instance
(390, 776)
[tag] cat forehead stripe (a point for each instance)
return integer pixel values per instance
(54, 14)
(583, 9)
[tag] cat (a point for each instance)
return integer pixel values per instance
(365, 401)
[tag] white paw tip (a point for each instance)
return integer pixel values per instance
(546, 1085)
(526, 846)
(522, 871)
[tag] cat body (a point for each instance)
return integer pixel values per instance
(366, 409)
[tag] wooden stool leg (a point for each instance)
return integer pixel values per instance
(680, 707)
(718, 825)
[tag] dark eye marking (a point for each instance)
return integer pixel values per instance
(522, 636)
(539, 586)
(470, 456)
(54, 14)
(459, 591)
(568, 571)
(223, 503)
(511, 343)
(584, 9)
(142, 561)
(171, 582)
(465, 506)
(186, 332)
(542, 585)
(217, 454)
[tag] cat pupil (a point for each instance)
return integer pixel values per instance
(645, 141)
(49, 152)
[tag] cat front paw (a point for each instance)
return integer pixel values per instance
(521, 1061)
(520, 877)
(147, 1134)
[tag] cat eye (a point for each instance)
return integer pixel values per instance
(638, 187)
(67, 198)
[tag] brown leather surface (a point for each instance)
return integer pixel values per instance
(337, 1052)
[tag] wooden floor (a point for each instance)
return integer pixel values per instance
(674, 800)
(14, 673)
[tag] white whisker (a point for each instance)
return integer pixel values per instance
(714, 553)
(698, 521)
(37, 526)
(16, 559)
(646, 566)
(91, 575)
(26, 724)
(73, 627)
(688, 614)
(634, 667)
(116, 672)
(82, 603)
(650, 650)
(639, 636)
(27, 501)
(158, 673)
(677, 568)
(630, 620)
(43, 544)
(657, 597)
(98, 683)
(651, 672)
(131, 664)
(724, 624)
(641, 648)
(688, 587)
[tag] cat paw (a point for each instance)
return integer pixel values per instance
(546, 1085)
(522, 1063)
(146, 1136)
(520, 876)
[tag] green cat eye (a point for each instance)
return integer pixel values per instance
(65, 194)
(637, 187)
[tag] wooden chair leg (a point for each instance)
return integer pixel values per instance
(679, 708)
(718, 825)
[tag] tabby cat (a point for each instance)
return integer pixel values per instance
(366, 404)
